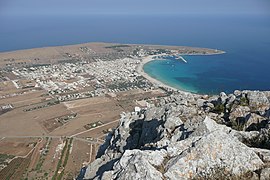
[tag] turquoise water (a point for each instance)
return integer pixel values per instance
(178, 74)
(205, 74)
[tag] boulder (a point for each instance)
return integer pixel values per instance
(100, 165)
(200, 102)
(216, 154)
(172, 122)
(254, 122)
(258, 101)
(178, 140)
(239, 112)
(237, 93)
(265, 174)
(264, 154)
(223, 97)
(238, 116)
(230, 101)
(136, 164)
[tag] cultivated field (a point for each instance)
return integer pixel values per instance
(43, 137)
(50, 139)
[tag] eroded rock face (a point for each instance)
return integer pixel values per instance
(136, 164)
(265, 174)
(258, 100)
(178, 140)
(254, 122)
(216, 153)
(239, 112)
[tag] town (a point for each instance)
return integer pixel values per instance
(58, 104)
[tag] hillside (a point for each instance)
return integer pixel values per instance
(187, 136)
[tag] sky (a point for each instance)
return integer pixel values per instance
(133, 7)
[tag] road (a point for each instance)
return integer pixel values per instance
(94, 128)
(94, 141)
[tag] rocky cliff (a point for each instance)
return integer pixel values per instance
(187, 136)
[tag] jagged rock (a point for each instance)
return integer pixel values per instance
(257, 98)
(176, 141)
(201, 102)
(214, 100)
(267, 94)
(150, 129)
(179, 147)
(267, 114)
(92, 168)
(230, 100)
(136, 164)
(172, 111)
(216, 153)
(254, 122)
(211, 105)
(178, 135)
(100, 165)
(264, 154)
(108, 175)
(154, 113)
(265, 174)
(122, 138)
(238, 117)
(215, 116)
(258, 101)
(239, 112)
(223, 97)
(237, 93)
(172, 122)
(210, 125)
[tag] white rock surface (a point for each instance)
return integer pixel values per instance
(177, 139)
(211, 154)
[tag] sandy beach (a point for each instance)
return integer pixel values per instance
(156, 82)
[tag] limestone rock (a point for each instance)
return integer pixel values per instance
(189, 136)
(172, 122)
(230, 100)
(99, 166)
(179, 147)
(137, 165)
(254, 122)
(108, 175)
(201, 102)
(239, 112)
(223, 97)
(258, 100)
(264, 154)
(265, 174)
(237, 93)
(215, 154)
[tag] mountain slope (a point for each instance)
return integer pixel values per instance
(189, 136)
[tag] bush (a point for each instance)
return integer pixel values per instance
(244, 101)
(219, 108)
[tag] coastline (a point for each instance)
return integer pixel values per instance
(157, 82)
(154, 81)
(55, 54)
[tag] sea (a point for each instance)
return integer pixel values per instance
(245, 38)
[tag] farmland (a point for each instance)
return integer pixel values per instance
(58, 104)
(42, 139)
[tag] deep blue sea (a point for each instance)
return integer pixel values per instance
(246, 40)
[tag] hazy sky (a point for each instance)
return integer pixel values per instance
(53, 7)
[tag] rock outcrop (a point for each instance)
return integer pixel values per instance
(189, 136)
